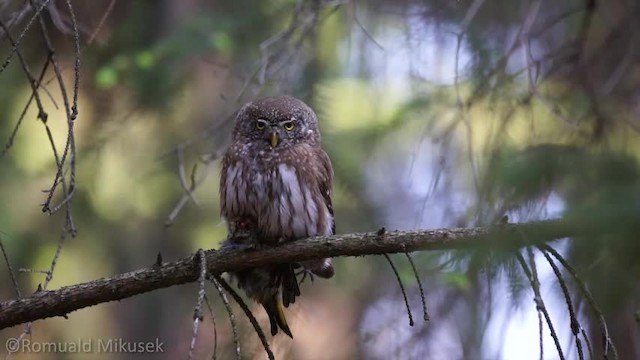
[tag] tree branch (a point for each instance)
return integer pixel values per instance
(60, 302)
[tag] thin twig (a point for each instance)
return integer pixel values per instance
(41, 115)
(76, 65)
(188, 192)
(245, 308)
(197, 312)
(575, 324)
(54, 261)
(26, 28)
(101, 22)
(464, 114)
(425, 313)
(535, 286)
(188, 189)
(232, 316)
(588, 341)
(24, 270)
(540, 334)
(215, 328)
(607, 344)
(404, 293)
(364, 29)
(470, 14)
(536, 279)
(25, 68)
(71, 113)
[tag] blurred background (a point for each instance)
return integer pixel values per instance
(441, 113)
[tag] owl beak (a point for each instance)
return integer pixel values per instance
(273, 139)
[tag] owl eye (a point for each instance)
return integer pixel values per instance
(260, 125)
(289, 125)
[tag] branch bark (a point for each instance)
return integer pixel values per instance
(60, 302)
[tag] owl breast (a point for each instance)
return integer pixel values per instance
(283, 207)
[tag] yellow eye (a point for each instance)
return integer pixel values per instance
(289, 125)
(260, 125)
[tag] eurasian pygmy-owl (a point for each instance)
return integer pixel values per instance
(276, 182)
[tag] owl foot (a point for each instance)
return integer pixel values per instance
(305, 273)
(238, 246)
(246, 247)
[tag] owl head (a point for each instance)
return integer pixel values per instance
(275, 123)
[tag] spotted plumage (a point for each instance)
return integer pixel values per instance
(276, 182)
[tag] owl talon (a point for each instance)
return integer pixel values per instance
(250, 247)
(238, 246)
(246, 247)
(305, 273)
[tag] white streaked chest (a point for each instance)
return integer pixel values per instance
(283, 206)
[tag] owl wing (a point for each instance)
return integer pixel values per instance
(223, 184)
(326, 184)
(228, 160)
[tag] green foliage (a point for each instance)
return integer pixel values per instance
(456, 279)
(601, 192)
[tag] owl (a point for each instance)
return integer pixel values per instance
(275, 184)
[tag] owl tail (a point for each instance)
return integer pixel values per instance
(285, 279)
(274, 309)
(289, 282)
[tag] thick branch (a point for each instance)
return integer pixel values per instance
(44, 304)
